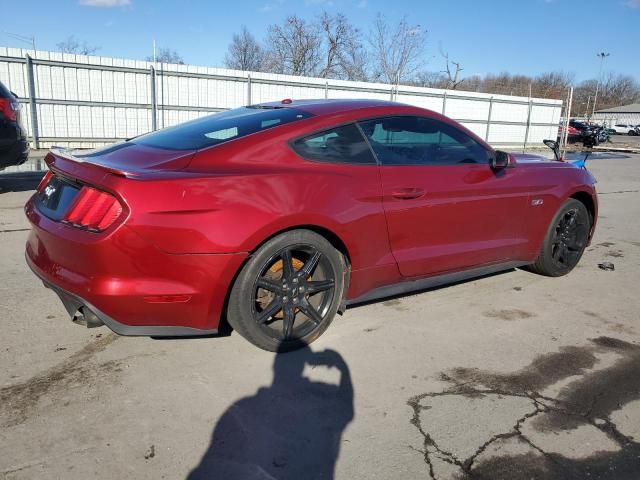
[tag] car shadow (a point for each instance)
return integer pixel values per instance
(19, 181)
(291, 429)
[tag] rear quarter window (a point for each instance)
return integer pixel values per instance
(343, 144)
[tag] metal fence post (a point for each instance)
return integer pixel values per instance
(154, 99)
(249, 89)
(326, 90)
(526, 132)
(486, 134)
(35, 134)
(444, 102)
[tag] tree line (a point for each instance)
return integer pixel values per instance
(331, 47)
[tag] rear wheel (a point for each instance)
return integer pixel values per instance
(565, 240)
(288, 292)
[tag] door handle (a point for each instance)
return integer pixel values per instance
(408, 193)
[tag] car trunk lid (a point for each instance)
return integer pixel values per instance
(126, 159)
(81, 187)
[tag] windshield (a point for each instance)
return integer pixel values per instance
(220, 127)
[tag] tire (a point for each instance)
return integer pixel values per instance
(280, 308)
(565, 241)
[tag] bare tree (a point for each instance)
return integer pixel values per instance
(452, 77)
(72, 45)
(506, 84)
(397, 50)
(166, 55)
(293, 47)
(614, 90)
(343, 54)
(429, 79)
(551, 85)
(244, 53)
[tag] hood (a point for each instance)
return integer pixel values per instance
(531, 158)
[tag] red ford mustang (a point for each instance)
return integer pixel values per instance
(276, 216)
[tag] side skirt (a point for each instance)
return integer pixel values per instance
(433, 281)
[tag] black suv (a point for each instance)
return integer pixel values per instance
(14, 146)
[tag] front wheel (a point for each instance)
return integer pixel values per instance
(288, 292)
(565, 240)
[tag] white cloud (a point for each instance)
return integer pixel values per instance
(271, 6)
(105, 3)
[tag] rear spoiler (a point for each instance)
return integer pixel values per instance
(61, 153)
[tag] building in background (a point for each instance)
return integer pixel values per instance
(626, 114)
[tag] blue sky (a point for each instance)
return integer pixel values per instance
(523, 36)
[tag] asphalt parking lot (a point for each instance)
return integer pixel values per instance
(512, 376)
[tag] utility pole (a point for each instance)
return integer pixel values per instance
(586, 110)
(23, 38)
(602, 56)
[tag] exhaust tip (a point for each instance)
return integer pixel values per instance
(86, 317)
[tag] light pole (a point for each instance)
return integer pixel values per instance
(602, 56)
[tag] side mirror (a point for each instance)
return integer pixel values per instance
(553, 145)
(500, 160)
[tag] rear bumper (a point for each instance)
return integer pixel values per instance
(127, 283)
(76, 305)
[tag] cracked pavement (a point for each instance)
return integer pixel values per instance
(512, 376)
(570, 435)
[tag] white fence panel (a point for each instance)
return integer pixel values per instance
(90, 101)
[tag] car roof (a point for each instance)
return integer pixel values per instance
(328, 106)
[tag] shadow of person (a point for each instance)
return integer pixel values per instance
(291, 429)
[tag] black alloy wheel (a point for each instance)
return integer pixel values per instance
(565, 241)
(570, 239)
(293, 293)
(288, 292)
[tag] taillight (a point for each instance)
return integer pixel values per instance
(9, 108)
(93, 209)
(45, 180)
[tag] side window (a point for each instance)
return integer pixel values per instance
(339, 145)
(421, 141)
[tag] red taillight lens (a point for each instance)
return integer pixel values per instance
(45, 180)
(9, 108)
(94, 210)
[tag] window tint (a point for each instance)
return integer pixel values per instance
(220, 127)
(339, 145)
(421, 141)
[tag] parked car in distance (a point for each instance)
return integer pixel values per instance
(577, 131)
(275, 217)
(624, 129)
(14, 146)
(573, 134)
